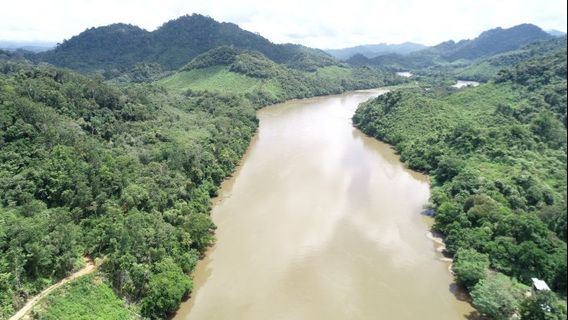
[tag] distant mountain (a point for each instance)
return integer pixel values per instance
(487, 44)
(374, 50)
(5, 54)
(556, 33)
(488, 68)
(32, 46)
(121, 46)
(491, 42)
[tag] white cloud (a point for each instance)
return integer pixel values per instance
(317, 23)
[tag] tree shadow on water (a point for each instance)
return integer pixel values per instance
(474, 315)
(461, 294)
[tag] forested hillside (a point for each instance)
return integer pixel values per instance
(487, 44)
(497, 157)
(115, 48)
(123, 174)
(491, 42)
(227, 69)
(487, 69)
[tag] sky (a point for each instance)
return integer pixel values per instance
(315, 23)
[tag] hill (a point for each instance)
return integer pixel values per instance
(486, 69)
(374, 50)
(487, 44)
(491, 42)
(227, 69)
(121, 46)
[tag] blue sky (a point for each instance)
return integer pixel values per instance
(316, 23)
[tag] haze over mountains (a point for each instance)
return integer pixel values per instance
(487, 44)
(374, 50)
(526, 33)
(556, 33)
(33, 46)
(491, 42)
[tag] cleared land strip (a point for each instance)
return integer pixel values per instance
(88, 268)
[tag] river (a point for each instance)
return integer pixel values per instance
(321, 222)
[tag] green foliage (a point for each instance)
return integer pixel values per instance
(264, 82)
(497, 297)
(487, 69)
(497, 154)
(448, 168)
(470, 267)
(307, 61)
(543, 306)
(214, 79)
(121, 173)
(220, 56)
(88, 297)
(139, 73)
(167, 286)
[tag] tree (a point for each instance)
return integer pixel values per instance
(496, 297)
(543, 306)
(166, 287)
(481, 208)
(550, 129)
(200, 227)
(470, 267)
(448, 167)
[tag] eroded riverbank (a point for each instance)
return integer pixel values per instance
(321, 222)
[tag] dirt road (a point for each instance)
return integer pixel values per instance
(88, 268)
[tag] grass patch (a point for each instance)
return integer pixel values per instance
(88, 297)
(217, 78)
(334, 72)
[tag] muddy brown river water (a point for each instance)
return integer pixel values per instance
(321, 222)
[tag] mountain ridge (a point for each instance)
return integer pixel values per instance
(374, 50)
(172, 45)
(489, 43)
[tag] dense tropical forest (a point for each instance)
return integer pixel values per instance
(121, 174)
(497, 157)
